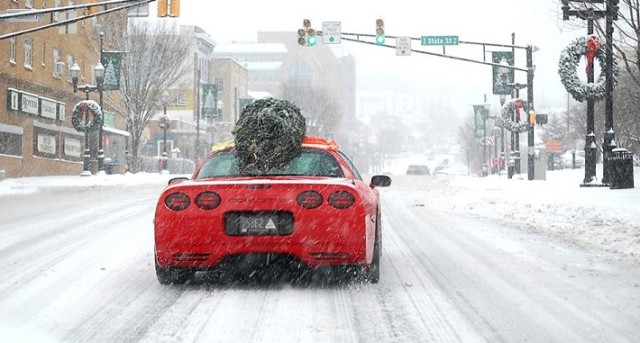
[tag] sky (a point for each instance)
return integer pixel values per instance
(537, 23)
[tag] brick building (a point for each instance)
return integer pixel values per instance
(36, 134)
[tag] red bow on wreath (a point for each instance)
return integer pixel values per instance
(518, 106)
(593, 44)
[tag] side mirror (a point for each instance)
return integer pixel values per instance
(380, 181)
(178, 180)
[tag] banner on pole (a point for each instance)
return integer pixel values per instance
(111, 61)
(209, 100)
(502, 76)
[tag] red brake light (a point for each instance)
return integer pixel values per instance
(177, 201)
(309, 199)
(341, 200)
(208, 200)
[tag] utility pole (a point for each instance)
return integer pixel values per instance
(530, 113)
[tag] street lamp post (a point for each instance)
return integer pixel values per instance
(100, 81)
(165, 123)
(75, 74)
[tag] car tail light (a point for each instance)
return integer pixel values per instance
(309, 199)
(208, 200)
(341, 200)
(177, 201)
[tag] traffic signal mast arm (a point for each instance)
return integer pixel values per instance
(127, 4)
(358, 35)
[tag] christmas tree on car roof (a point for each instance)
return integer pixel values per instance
(268, 135)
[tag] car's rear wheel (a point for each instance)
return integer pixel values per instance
(174, 275)
(373, 270)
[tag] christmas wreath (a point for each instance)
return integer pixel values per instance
(86, 116)
(268, 135)
(567, 68)
(509, 108)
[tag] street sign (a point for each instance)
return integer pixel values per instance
(403, 46)
(31, 18)
(439, 40)
(331, 31)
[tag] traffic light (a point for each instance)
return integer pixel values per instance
(302, 37)
(307, 36)
(168, 8)
(312, 37)
(379, 31)
(93, 9)
(532, 117)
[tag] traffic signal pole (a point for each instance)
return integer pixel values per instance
(529, 70)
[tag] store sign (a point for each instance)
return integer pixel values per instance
(49, 109)
(72, 147)
(47, 144)
(14, 100)
(30, 104)
(35, 105)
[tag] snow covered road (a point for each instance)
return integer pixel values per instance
(77, 266)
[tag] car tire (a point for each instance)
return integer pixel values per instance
(373, 270)
(174, 275)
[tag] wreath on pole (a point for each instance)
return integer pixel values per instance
(591, 48)
(86, 116)
(508, 109)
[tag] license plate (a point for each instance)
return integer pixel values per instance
(259, 223)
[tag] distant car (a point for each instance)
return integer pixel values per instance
(567, 159)
(317, 210)
(418, 169)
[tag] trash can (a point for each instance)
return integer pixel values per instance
(108, 165)
(621, 168)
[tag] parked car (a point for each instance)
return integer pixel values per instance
(418, 169)
(568, 158)
(316, 211)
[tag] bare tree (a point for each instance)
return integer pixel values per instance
(155, 59)
(319, 108)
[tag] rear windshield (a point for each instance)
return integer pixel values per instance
(310, 162)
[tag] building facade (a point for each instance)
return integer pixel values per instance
(36, 133)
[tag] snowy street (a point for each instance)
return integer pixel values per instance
(77, 266)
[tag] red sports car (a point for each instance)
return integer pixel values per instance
(317, 211)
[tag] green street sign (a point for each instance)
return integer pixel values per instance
(439, 40)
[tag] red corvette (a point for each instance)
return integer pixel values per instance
(317, 211)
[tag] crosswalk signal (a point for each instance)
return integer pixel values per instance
(379, 31)
(168, 8)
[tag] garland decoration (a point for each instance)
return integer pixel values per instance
(591, 48)
(86, 116)
(268, 135)
(509, 108)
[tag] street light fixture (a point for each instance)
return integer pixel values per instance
(165, 123)
(75, 75)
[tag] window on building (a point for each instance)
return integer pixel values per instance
(71, 28)
(57, 70)
(12, 50)
(69, 63)
(28, 53)
(10, 143)
(44, 53)
(220, 82)
(57, 16)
